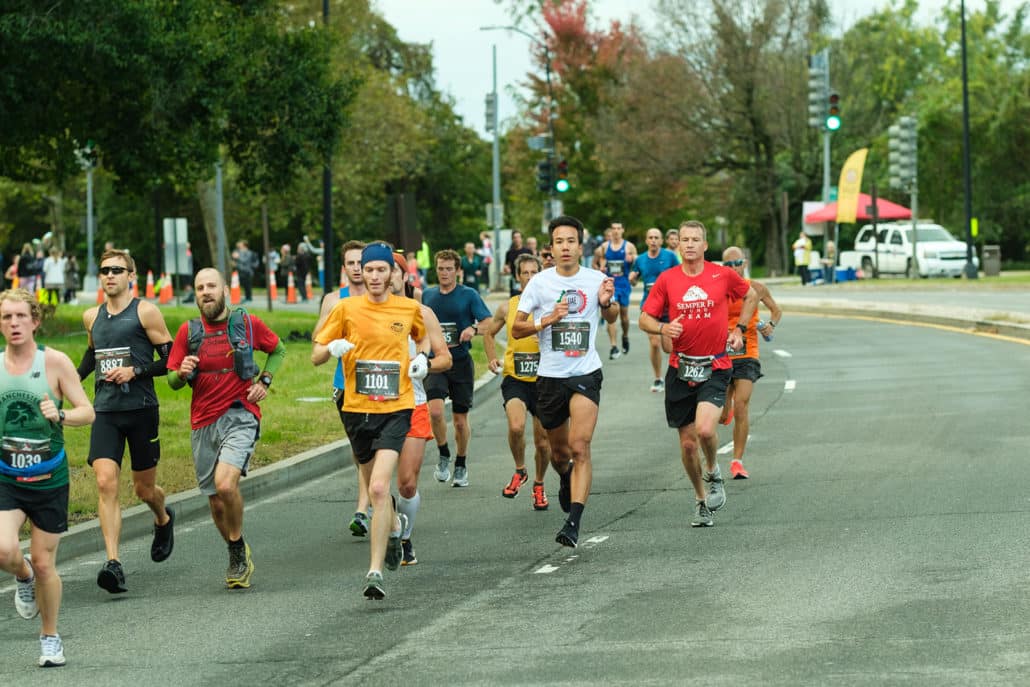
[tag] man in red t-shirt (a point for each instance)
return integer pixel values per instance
(695, 296)
(224, 413)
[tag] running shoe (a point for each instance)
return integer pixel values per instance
(565, 490)
(625, 344)
(539, 497)
(164, 539)
(409, 553)
(359, 524)
(461, 476)
(657, 386)
(614, 353)
(112, 578)
(737, 470)
(728, 420)
(394, 550)
(25, 594)
(51, 651)
(568, 535)
(716, 493)
(517, 480)
(374, 586)
(702, 516)
(241, 567)
(442, 473)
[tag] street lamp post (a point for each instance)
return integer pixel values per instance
(970, 269)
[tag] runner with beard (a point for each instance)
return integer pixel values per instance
(224, 414)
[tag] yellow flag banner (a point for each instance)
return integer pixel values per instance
(849, 186)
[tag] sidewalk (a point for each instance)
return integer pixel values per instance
(988, 317)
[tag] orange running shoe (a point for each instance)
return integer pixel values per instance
(737, 470)
(727, 421)
(539, 497)
(517, 480)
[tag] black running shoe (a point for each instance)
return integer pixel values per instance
(568, 535)
(112, 578)
(625, 344)
(164, 539)
(565, 490)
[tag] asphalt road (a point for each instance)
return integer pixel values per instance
(882, 539)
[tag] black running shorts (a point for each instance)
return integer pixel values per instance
(681, 398)
(458, 383)
(747, 368)
(554, 393)
(47, 509)
(369, 432)
(111, 431)
(519, 388)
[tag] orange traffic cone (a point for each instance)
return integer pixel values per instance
(291, 289)
(100, 294)
(343, 276)
(135, 288)
(273, 289)
(149, 293)
(234, 288)
(166, 294)
(307, 286)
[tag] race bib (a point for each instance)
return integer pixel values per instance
(380, 380)
(109, 359)
(526, 364)
(694, 369)
(451, 335)
(571, 338)
(23, 455)
(616, 268)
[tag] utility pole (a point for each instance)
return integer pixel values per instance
(970, 270)
(492, 117)
(327, 201)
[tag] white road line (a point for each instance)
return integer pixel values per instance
(545, 570)
(789, 385)
(782, 353)
(594, 541)
(728, 448)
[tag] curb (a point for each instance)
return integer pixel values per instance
(86, 538)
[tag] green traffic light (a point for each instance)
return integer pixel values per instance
(832, 123)
(561, 186)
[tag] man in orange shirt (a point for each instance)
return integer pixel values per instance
(370, 334)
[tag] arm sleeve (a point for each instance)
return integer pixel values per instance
(88, 364)
(275, 358)
(159, 367)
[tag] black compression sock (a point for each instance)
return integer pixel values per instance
(575, 514)
(445, 450)
(459, 461)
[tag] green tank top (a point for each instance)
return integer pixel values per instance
(32, 451)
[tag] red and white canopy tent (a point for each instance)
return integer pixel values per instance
(885, 210)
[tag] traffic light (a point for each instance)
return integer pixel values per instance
(816, 93)
(561, 184)
(545, 175)
(903, 152)
(833, 111)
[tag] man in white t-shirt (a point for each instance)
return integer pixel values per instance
(560, 306)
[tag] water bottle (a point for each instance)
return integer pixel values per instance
(761, 324)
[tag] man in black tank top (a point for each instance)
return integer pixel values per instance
(124, 333)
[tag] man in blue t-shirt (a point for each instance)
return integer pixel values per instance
(459, 309)
(647, 267)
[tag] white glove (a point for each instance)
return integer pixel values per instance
(339, 347)
(419, 367)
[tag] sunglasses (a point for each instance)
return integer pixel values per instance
(546, 256)
(733, 263)
(113, 270)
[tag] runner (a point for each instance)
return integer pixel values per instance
(214, 354)
(647, 267)
(34, 383)
(518, 388)
(696, 298)
(123, 333)
(561, 307)
(409, 465)
(370, 334)
(459, 309)
(351, 253)
(616, 259)
(746, 367)
(672, 242)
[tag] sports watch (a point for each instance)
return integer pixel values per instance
(265, 379)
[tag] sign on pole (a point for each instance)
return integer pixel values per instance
(176, 237)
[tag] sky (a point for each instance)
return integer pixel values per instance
(462, 52)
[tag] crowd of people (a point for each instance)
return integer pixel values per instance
(45, 271)
(400, 352)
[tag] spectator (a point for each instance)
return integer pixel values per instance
(302, 264)
(802, 248)
(11, 275)
(286, 265)
(829, 262)
(27, 268)
(53, 276)
(71, 280)
(245, 262)
(513, 253)
(472, 267)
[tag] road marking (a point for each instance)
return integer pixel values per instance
(782, 353)
(545, 570)
(728, 447)
(789, 385)
(548, 568)
(930, 325)
(594, 541)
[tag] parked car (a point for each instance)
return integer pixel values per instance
(889, 251)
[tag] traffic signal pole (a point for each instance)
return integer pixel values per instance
(495, 215)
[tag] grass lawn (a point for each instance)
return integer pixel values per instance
(297, 415)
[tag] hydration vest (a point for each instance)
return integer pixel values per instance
(240, 333)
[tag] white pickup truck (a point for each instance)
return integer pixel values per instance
(889, 251)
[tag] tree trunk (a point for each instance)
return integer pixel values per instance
(207, 196)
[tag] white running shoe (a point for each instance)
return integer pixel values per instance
(51, 651)
(25, 595)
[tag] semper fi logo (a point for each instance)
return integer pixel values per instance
(695, 304)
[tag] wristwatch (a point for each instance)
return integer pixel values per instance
(742, 328)
(60, 417)
(137, 371)
(265, 379)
